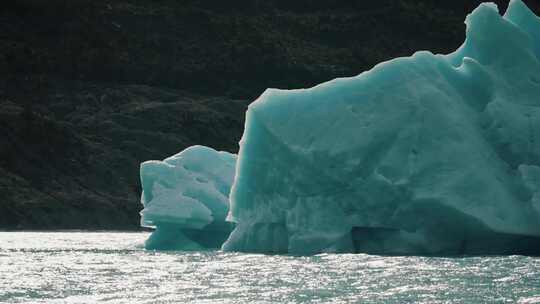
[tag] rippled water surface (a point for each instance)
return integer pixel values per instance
(87, 267)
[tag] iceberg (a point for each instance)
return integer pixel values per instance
(186, 199)
(429, 154)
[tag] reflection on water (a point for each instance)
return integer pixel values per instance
(83, 267)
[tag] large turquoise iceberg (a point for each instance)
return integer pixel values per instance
(186, 199)
(430, 154)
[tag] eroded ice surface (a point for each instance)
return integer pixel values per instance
(430, 154)
(185, 197)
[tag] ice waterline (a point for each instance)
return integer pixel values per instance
(429, 154)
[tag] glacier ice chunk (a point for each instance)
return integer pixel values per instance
(186, 198)
(430, 154)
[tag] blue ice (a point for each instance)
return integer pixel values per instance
(186, 199)
(428, 154)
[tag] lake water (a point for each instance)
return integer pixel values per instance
(112, 267)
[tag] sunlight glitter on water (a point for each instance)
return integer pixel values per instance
(112, 267)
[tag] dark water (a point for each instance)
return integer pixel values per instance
(83, 267)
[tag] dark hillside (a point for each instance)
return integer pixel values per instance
(90, 88)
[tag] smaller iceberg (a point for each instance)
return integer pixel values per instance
(186, 199)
